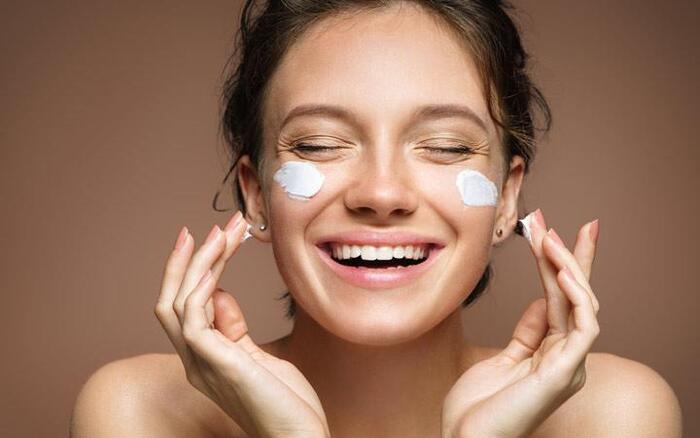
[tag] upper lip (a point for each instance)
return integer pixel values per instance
(377, 238)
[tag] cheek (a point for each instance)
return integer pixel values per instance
(299, 180)
(471, 222)
(295, 186)
(459, 194)
(475, 189)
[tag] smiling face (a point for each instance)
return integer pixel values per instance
(388, 107)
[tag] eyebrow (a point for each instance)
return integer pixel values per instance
(425, 112)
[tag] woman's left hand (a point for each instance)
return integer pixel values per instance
(513, 392)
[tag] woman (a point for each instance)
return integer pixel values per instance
(380, 146)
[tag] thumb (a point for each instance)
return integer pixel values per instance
(529, 332)
(229, 320)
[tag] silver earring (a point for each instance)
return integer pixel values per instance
(262, 227)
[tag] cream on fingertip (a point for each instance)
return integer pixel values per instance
(524, 228)
(246, 233)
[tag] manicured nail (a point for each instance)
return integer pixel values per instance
(539, 218)
(181, 238)
(213, 233)
(235, 220)
(593, 230)
(556, 237)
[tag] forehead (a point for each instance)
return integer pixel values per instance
(379, 64)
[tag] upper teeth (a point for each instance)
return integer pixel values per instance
(369, 252)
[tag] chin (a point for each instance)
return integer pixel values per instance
(364, 322)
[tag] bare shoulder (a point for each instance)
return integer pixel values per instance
(621, 398)
(146, 395)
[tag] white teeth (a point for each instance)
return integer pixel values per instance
(369, 252)
(409, 252)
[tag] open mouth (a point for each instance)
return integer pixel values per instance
(379, 267)
(377, 257)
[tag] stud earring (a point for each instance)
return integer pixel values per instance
(499, 232)
(262, 227)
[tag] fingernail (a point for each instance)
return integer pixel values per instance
(181, 238)
(556, 237)
(213, 233)
(234, 221)
(593, 230)
(539, 218)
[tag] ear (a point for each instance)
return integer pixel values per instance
(507, 212)
(253, 198)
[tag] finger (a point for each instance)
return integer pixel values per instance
(558, 307)
(196, 331)
(560, 257)
(580, 339)
(233, 231)
(229, 320)
(210, 343)
(529, 332)
(172, 278)
(585, 247)
(200, 264)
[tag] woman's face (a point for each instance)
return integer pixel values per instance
(390, 159)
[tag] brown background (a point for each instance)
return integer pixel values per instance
(109, 144)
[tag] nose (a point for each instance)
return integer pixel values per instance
(382, 190)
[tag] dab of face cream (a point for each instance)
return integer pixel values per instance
(526, 221)
(246, 234)
(301, 180)
(476, 190)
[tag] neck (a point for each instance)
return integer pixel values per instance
(394, 390)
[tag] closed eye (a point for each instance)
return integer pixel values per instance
(450, 150)
(307, 147)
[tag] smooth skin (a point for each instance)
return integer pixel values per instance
(220, 354)
(508, 395)
(368, 363)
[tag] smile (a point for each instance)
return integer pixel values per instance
(378, 260)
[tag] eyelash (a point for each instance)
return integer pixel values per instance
(308, 147)
(460, 149)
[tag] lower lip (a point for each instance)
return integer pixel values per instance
(386, 278)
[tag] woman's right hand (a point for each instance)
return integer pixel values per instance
(265, 395)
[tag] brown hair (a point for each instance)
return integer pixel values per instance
(483, 26)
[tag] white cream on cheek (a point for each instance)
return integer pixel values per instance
(476, 189)
(299, 179)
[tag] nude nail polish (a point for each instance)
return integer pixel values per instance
(539, 218)
(593, 230)
(213, 233)
(181, 238)
(233, 221)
